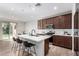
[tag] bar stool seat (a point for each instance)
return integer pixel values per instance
(28, 46)
(18, 41)
(19, 45)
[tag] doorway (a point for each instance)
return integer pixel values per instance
(8, 30)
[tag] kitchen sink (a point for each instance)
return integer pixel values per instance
(38, 35)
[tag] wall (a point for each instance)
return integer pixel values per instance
(20, 27)
(31, 25)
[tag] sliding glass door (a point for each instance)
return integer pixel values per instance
(8, 30)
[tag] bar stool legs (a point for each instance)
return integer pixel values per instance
(19, 49)
(29, 50)
(35, 50)
(13, 47)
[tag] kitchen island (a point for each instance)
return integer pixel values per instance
(41, 43)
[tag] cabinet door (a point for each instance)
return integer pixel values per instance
(58, 40)
(61, 22)
(39, 24)
(68, 42)
(68, 21)
(49, 20)
(76, 43)
(56, 22)
(62, 41)
(46, 47)
(44, 23)
(76, 20)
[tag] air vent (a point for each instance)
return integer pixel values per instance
(37, 4)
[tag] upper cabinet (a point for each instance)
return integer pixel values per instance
(59, 22)
(76, 20)
(56, 22)
(39, 24)
(44, 23)
(68, 21)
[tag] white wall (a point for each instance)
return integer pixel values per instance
(31, 25)
(20, 27)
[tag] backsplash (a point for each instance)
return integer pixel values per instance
(57, 31)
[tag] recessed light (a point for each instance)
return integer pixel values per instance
(55, 8)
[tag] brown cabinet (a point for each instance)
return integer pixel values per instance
(50, 21)
(68, 42)
(76, 43)
(46, 46)
(57, 40)
(68, 21)
(62, 41)
(39, 24)
(59, 22)
(76, 20)
(44, 23)
(63, 21)
(56, 22)
(77, 16)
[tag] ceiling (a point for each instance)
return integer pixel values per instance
(28, 11)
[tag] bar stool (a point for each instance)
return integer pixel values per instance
(14, 43)
(28, 46)
(19, 45)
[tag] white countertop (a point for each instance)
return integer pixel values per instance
(34, 38)
(62, 35)
(40, 37)
(66, 35)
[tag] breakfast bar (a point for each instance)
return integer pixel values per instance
(41, 43)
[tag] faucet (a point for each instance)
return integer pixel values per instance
(33, 32)
(65, 32)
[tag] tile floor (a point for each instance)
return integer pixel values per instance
(5, 50)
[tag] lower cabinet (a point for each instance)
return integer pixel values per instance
(76, 43)
(63, 41)
(46, 46)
